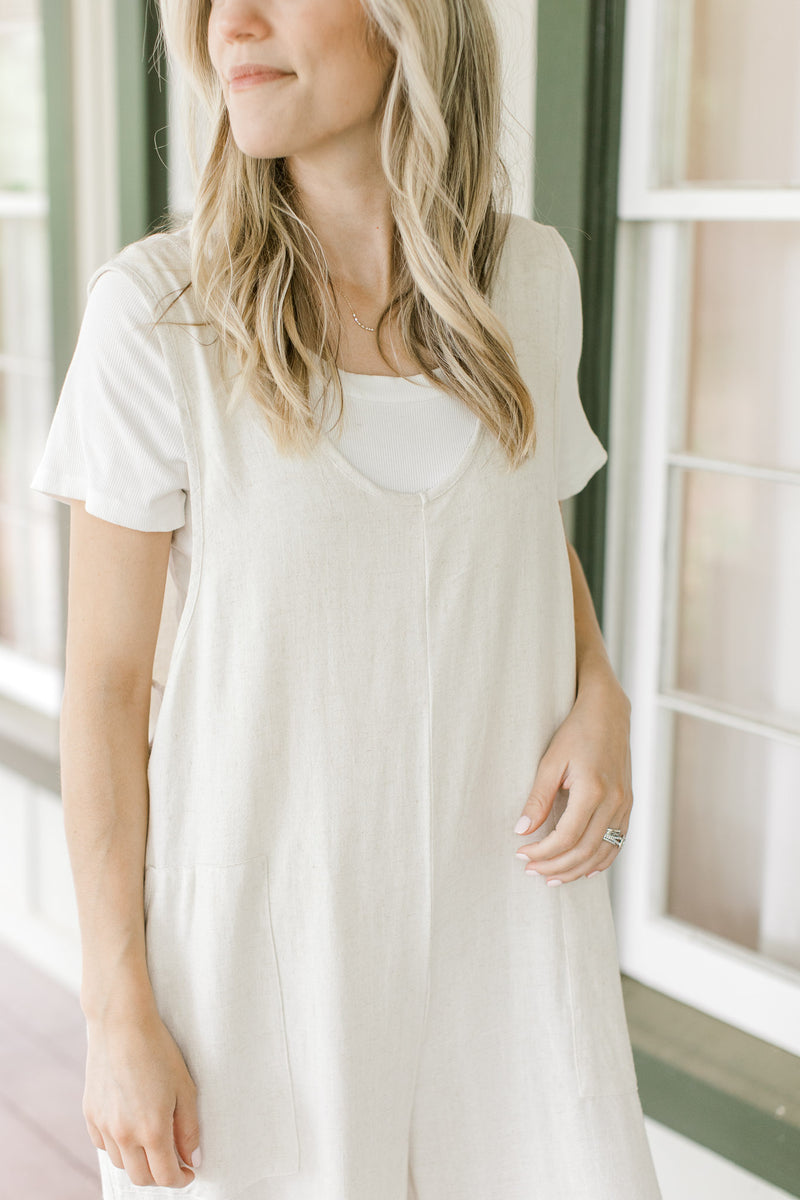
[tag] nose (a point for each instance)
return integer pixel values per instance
(238, 19)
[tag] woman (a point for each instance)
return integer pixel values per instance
(308, 953)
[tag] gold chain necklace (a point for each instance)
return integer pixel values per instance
(369, 328)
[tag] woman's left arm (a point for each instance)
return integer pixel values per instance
(589, 755)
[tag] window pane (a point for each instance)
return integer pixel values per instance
(731, 92)
(734, 844)
(738, 594)
(24, 288)
(22, 141)
(744, 367)
(29, 551)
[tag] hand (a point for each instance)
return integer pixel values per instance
(589, 755)
(139, 1101)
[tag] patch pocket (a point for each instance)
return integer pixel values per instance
(212, 964)
(603, 1054)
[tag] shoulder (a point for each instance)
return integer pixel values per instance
(540, 243)
(119, 335)
(118, 328)
(157, 265)
(534, 260)
(531, 267)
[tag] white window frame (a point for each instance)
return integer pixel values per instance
(730, 982)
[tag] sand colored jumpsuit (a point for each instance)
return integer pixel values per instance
(374, 1000)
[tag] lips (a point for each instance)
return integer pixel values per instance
(262, 70)
(250, 82)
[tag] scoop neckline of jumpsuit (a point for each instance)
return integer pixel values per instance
(374, 1001)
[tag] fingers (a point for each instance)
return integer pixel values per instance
(572, 825)
(185, 1127)
(148, 1159)
(165, 1164)
(549, 777)
(140, 1103)
(134, 1161)
(576, 847)
(95, 1134)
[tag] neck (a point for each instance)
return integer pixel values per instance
(351, 215)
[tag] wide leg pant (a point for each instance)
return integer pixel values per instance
(501, 1071)
(455, 1028)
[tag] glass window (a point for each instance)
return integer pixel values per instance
(730, 93)
(24, 287)
(744, 367)
(704, 570)
(738, 595)
(22, 140)
(732, 856)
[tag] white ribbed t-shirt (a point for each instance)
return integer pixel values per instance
(115, 440)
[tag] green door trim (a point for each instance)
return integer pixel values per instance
(604, 104)
(41, 764)
(578, 104)
(725, 1089)
(142, 120)
(60, 147)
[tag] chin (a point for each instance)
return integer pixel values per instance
(255, 147)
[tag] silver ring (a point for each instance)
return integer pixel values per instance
(615, 836)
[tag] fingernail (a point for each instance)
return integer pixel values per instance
(522, 825)
(196, 1158)
(531, 871)
(591, 873)
(553, 882)
(522, 854)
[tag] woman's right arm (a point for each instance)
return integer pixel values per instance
(116, 590)
(139, 1094)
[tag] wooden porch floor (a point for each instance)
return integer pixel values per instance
(45, 1145)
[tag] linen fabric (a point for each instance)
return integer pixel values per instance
(375, 1001)
(116, 443)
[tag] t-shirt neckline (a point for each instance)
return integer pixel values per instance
(392, 496)
(388, 387)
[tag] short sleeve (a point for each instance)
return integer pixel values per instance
(115, 440)
(579, 451)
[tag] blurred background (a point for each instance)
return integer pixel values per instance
(662, 138)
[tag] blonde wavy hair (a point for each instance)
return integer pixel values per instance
(258, 270)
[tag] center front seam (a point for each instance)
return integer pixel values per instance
(430, 793)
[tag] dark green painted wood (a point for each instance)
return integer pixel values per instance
(756, 1141)
(578, 97)
(600, 220)
(131, 118)
(142, 117)
(719, 1086)
(563, 36)
(157, 121)
(560, 134)
(64, 310)
(65, 318)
